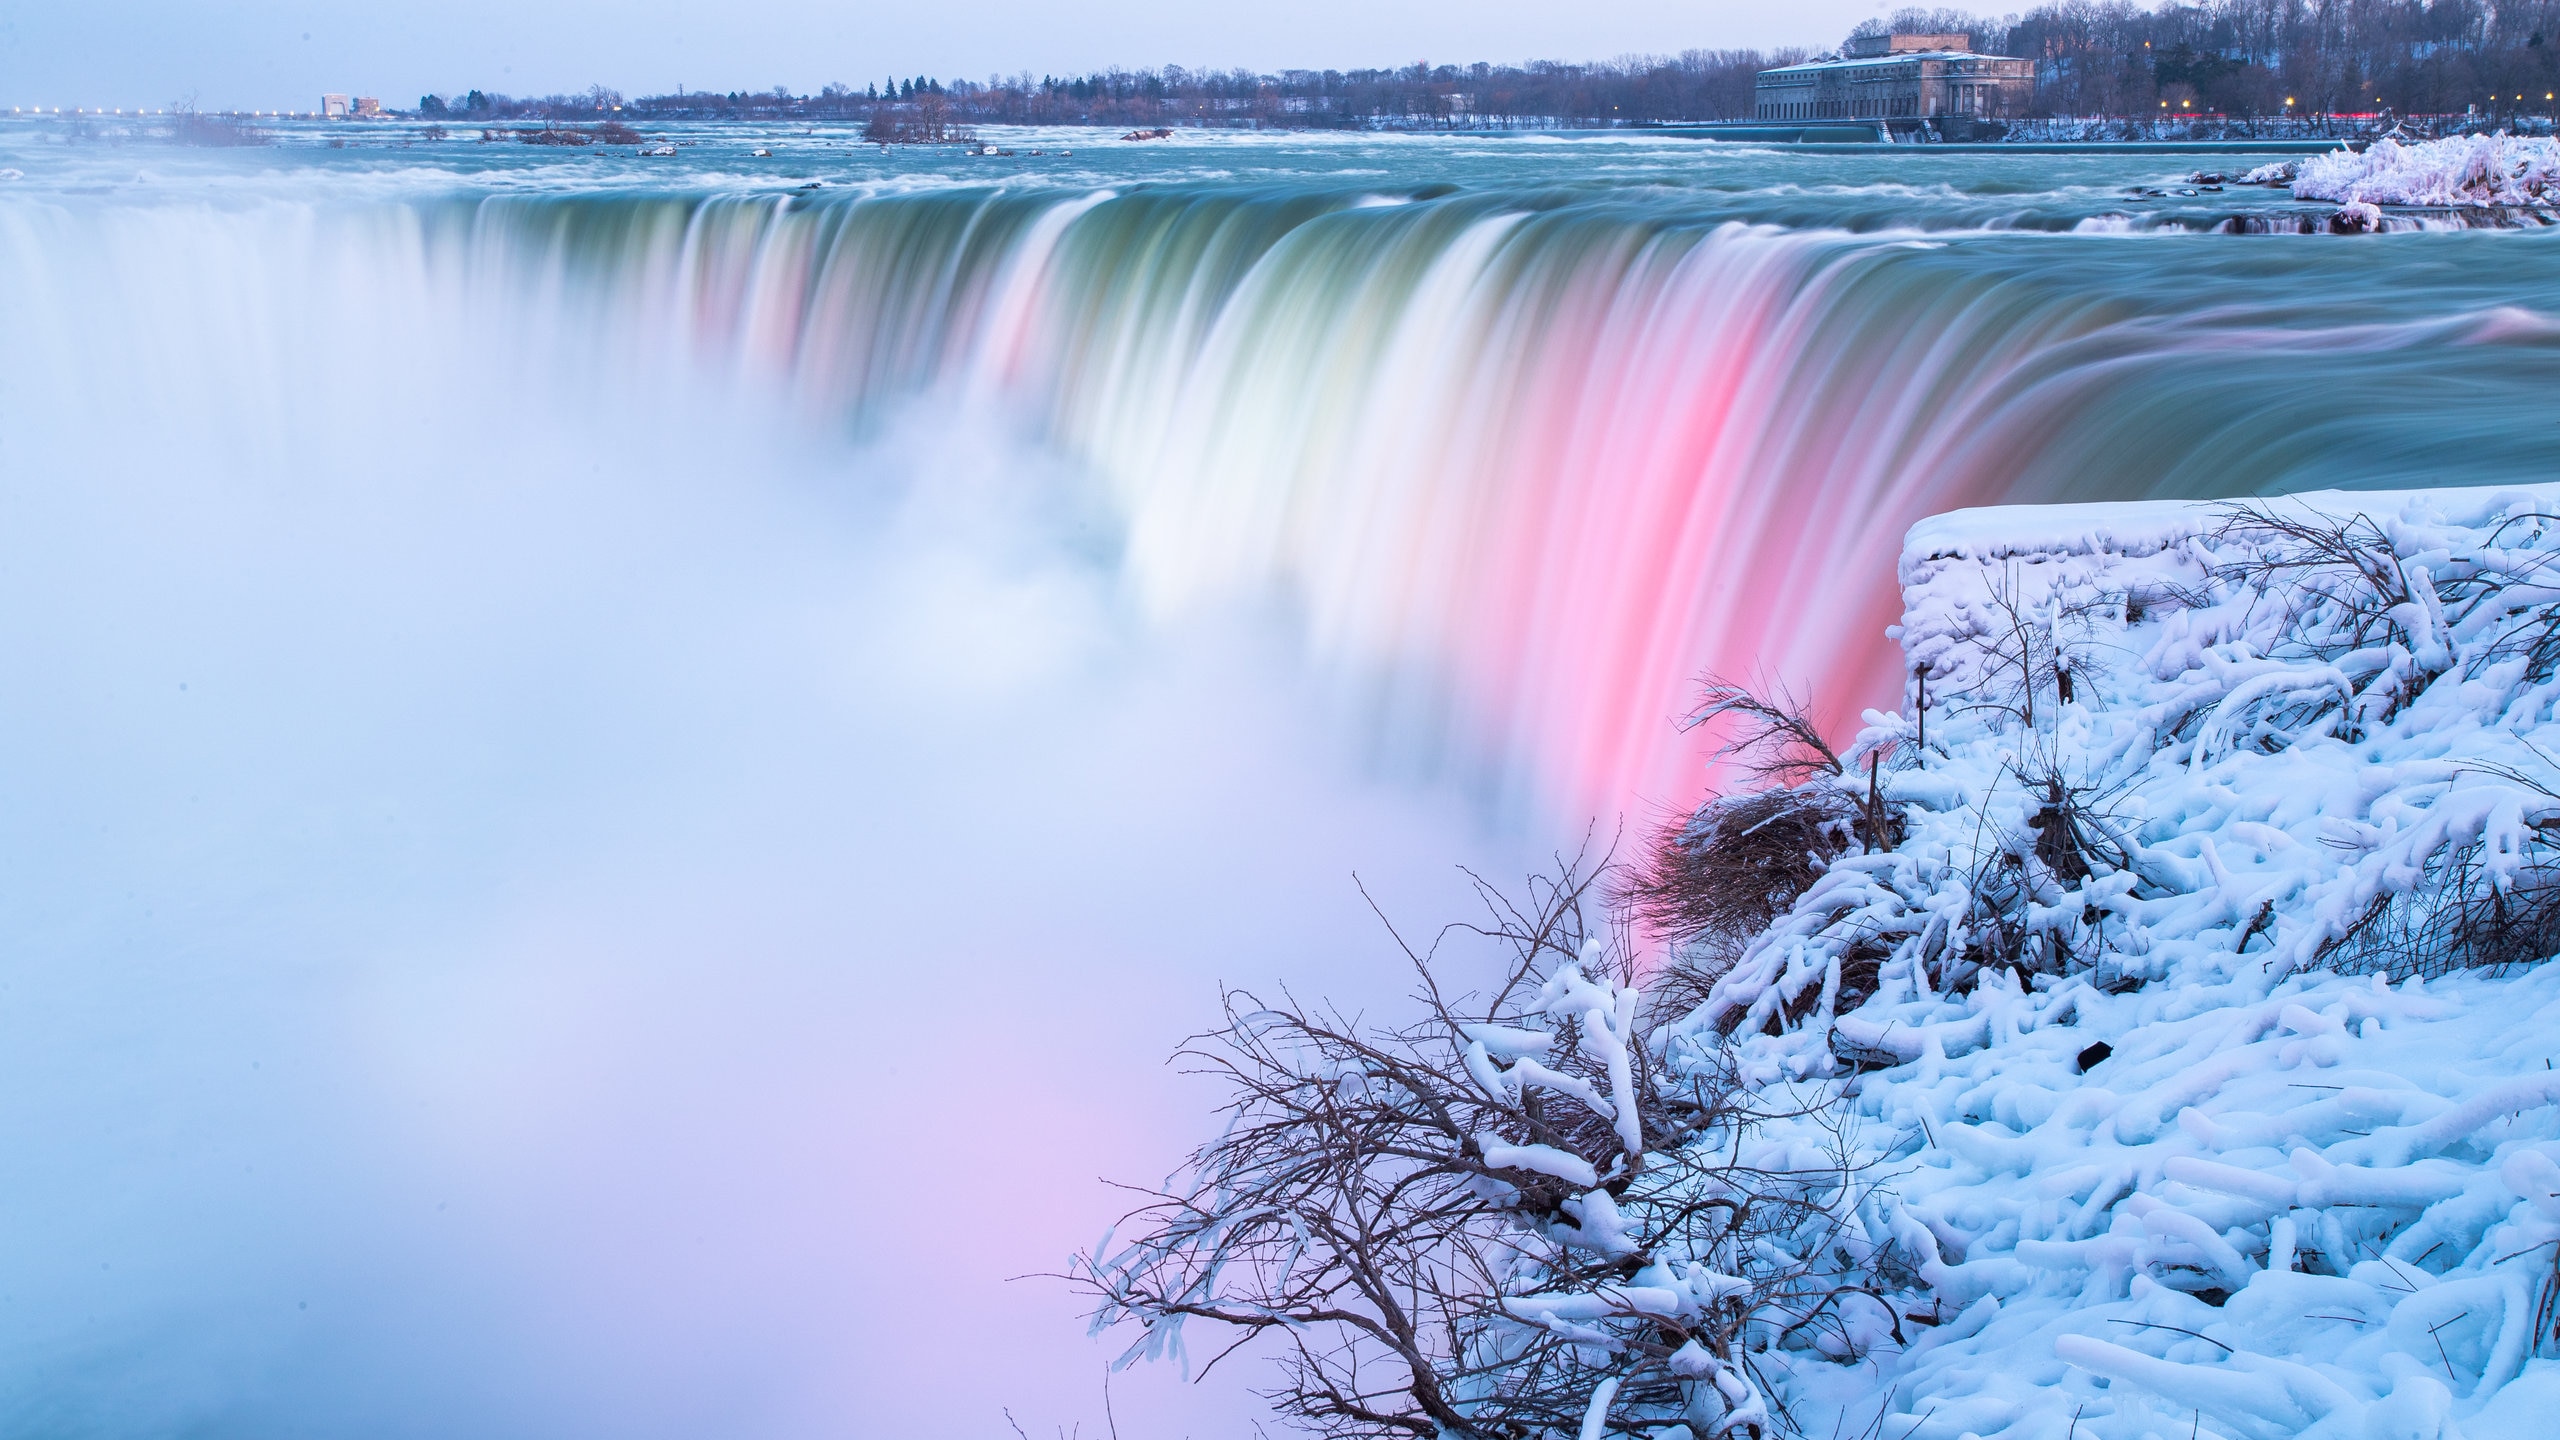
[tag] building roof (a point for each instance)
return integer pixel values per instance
(1836, 62)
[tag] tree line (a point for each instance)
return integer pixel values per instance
(2093, 57)
(2265, 57)
(1696, 84)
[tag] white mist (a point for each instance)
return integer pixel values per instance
(539, 897)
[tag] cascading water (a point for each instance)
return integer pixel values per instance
(1527, 470)
(617, 788)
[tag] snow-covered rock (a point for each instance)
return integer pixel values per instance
(2461, 170)
(2195, 1032)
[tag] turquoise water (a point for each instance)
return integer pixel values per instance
(1890, 187)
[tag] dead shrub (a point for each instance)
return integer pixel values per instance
(1713, 880)
(2456, 919)
(1726, 873)
(2350, 597)
(1772, 737)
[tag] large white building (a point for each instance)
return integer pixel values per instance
(1898, 77)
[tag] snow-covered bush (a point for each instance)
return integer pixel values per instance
(1522, 1215)
(2092, 712)
(2231, 1110)
(1711, 883)
(2458, 170)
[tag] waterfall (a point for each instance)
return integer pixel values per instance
(619, 794)
(1528, 466)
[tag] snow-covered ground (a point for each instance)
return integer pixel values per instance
(2194, 1029)
(2459, 170)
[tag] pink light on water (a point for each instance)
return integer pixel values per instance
(1523, 477)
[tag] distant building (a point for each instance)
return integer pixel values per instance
(333, 107)
(368, 108)
(1918, 79)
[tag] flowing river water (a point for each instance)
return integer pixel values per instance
(621, 767)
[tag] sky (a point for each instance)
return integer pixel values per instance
(284, 53)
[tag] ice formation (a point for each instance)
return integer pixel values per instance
(2193, 1029)
(2457, 170)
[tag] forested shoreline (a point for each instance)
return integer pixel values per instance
(2242, 58)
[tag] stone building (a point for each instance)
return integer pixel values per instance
(1911, 78)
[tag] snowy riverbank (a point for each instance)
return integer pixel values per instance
(2195, 1027)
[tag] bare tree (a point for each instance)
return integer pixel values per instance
(1526, 1212)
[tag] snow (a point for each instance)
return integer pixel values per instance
(2457, 170)
(2305, 1189)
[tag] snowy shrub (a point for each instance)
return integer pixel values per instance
(2210, 1042)
(1711, 883)
(2458, 917)
(1522, 1215)
(2091, 714)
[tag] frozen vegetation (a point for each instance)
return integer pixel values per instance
(2460, 170)
(2143, 1034)
(2209, 1048)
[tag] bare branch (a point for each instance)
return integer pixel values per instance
(1446, 1225)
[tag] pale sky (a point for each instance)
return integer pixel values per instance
(284, 53)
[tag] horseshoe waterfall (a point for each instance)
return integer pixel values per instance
(621, 769)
